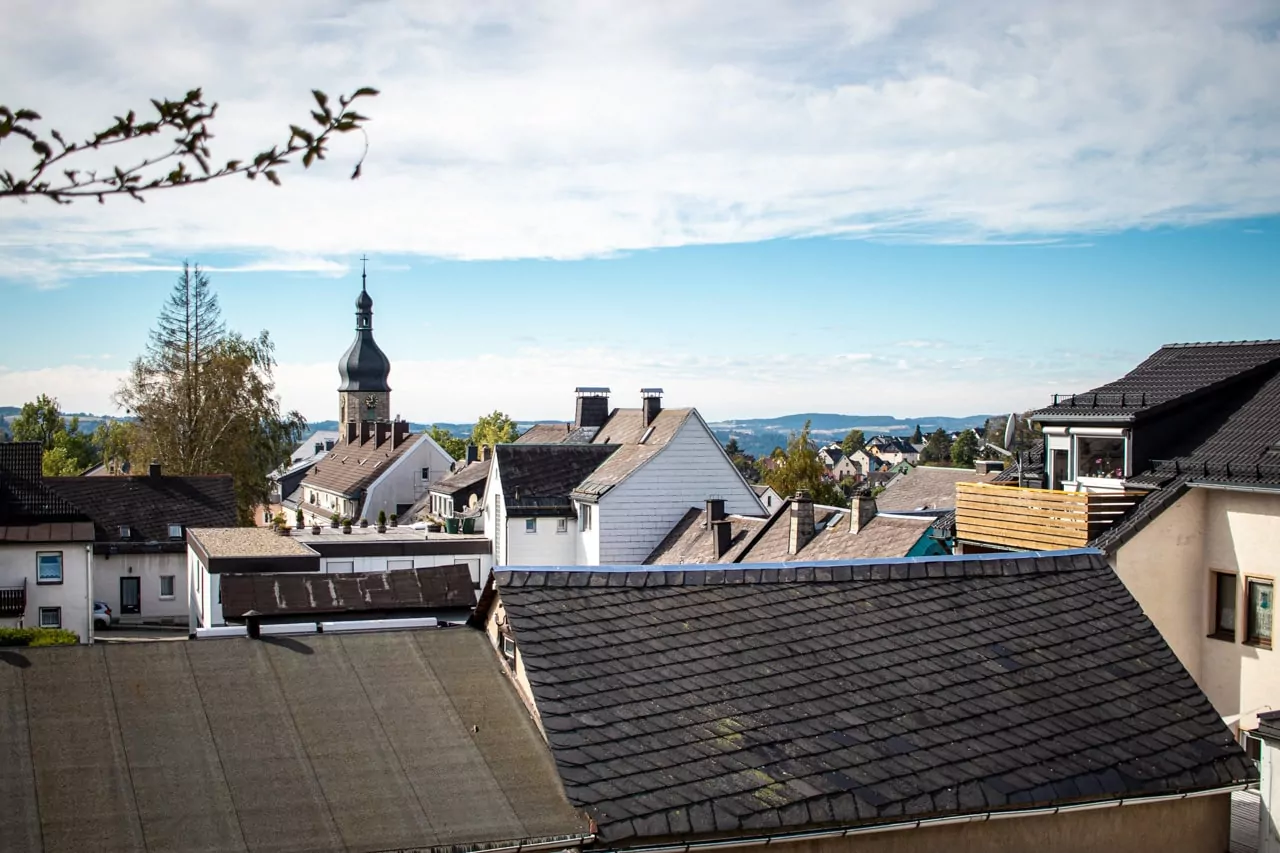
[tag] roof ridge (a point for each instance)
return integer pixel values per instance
(1243, 343)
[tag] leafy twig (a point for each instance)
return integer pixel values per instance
(187, 162)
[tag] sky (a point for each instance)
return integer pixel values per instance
(916, 208)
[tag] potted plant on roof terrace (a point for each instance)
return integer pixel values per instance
(335, 520)
(281, 526)
(299, 522)
(364, 522)
(346, 525)
(394, 521)
(382, 521)
(315, 527)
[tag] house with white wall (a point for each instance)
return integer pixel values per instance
(645, 468)
(139, 546)
(46, 549)
(215, 552)
(1173, 470)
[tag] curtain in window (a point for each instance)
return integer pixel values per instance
(1226, 604)
(1260, 612)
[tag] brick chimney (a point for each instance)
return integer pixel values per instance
(650, 405)
(862, 511)
(592, 408)
(484, 452)
(801, 522)
(718, 526)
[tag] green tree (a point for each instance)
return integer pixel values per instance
(494, 428)
(454, 446)
(60, 174)
(798, 467)
(964, 449)
(744, 462)
(1025, 433)
(204, 399)
(916, 436)
(113, 439)
(853, 442)
(937, 450)
(40, 420)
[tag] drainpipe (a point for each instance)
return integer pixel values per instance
(88, 583)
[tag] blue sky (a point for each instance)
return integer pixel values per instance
(831, 207)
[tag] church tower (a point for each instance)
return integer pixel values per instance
(364, 394)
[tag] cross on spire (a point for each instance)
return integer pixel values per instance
(363, 261)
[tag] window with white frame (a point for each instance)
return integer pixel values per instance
(49, 567)
(508, 648)
(166, 586)
(562, 525)
(531, 525)
(1101, 457)
(584, 516)
(50, 617)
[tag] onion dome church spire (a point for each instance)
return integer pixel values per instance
(364, 393)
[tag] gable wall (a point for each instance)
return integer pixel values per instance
(635, 516)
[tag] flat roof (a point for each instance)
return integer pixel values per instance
(218, 542)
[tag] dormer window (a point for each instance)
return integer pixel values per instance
(175, 531)
(1100, 457)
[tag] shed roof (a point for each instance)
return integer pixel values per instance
(706, 702)
(380, 741)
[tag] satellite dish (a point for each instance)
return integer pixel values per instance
(1009, 429)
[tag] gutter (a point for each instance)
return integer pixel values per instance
(1233, 487)
(923, 823)
(557, 842)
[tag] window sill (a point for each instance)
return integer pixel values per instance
(48, 583)
(1226, 638)
(1259, 644)
(167, 597)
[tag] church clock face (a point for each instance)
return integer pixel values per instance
(371, 402)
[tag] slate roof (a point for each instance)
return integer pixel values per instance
(718, 701)
(626, 427)
(370, 741)
(148, 505)
(885, 536)
(1172, 375)
(557, 434)
(432, 588)
(690, 541)
(927, 488)
(537, 478)
(464, 478)
(348, 469)
(25, 498)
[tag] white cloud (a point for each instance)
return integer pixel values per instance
(568, 129)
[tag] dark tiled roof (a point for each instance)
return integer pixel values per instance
(926, 488)
(433, 588)
(148, 505)
(24, 496)
(377, 741)
(348, 469)
(1173, 374)
(537, 478)
(1032, 471)
(694, 702)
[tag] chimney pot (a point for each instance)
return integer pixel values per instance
(153, 470)
(472, 454)
(715, 510)
(801, 522)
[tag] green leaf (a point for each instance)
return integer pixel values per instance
(365, 91)
(26, 115)
(321, 98)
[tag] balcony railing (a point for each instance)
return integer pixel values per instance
(1036, 519)
(13, 601)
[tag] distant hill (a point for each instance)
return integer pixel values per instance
(757, 436)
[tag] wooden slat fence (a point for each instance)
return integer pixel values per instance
(1036, 519)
